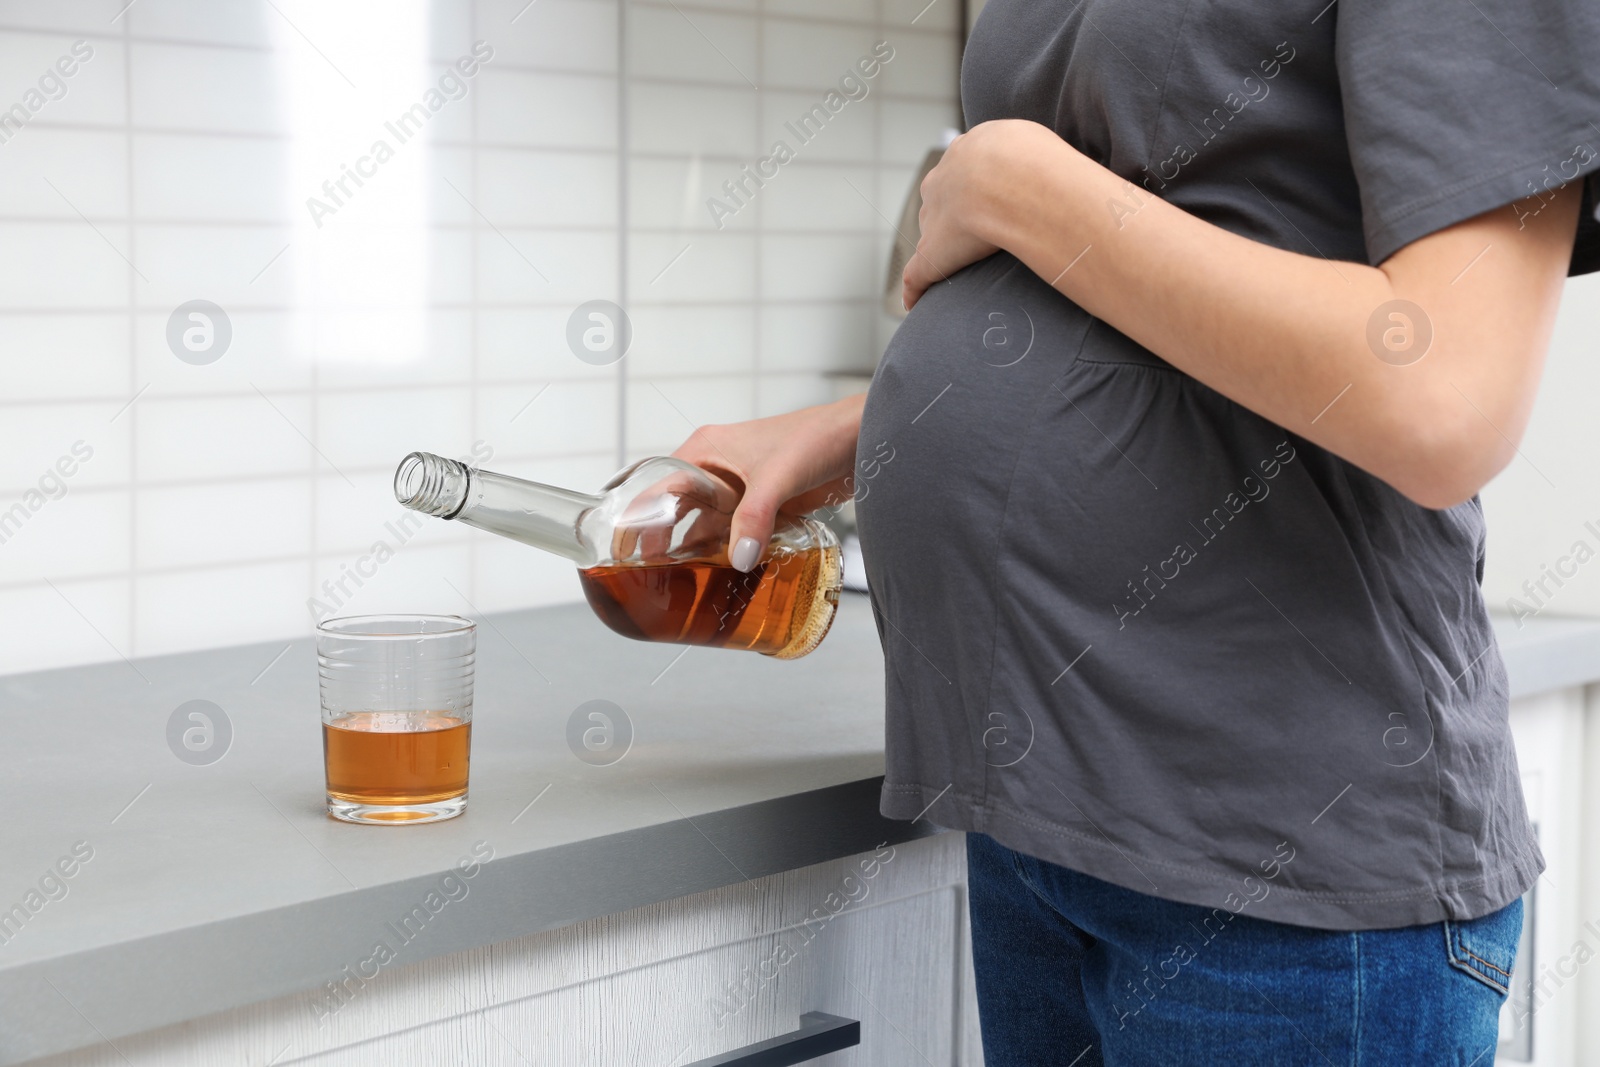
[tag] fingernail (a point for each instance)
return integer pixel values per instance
(745, 553)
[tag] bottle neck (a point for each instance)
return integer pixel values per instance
(543, 516)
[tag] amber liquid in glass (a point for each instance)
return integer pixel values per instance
(377, 757)
(782, 608)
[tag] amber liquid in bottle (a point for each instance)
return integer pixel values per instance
(396, 757)
(652, 550)
(783, 607)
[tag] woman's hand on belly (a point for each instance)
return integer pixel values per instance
(792, 463)
(958, 196)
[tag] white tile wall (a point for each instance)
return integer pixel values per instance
(211, 504)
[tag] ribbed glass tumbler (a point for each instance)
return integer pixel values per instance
(396, 715)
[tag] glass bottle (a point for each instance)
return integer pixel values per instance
(652, 550)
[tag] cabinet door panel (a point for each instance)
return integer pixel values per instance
(892, 965)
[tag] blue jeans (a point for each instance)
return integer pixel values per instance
(1075, 971)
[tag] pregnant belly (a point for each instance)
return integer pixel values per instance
(945, 425)
(1015, 451)
(990, 331)
(945, 417)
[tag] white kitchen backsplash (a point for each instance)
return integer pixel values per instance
(157, 497)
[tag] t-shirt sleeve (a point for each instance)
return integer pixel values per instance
(1456, 107)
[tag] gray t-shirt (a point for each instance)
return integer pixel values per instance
(1133, 628)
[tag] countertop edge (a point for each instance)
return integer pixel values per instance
(1556, 654)
(56, 1005)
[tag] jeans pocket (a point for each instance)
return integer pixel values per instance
(1486, 948)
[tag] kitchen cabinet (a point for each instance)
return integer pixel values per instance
(880, 938)
(1555, 720)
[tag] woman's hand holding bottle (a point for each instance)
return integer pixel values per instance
(792, 464)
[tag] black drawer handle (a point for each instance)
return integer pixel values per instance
(819, 1034)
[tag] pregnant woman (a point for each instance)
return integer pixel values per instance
(1222, 314)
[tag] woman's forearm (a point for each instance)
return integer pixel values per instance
(1287, 335)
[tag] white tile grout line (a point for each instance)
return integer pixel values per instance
(624, 154)
(759, 313)
(519, 307)
(474, 10)
(874, 347)
(801, 92)
(313, 471)
(817, 168)
(280, 476)
(133, 344)
(659, 5)
(330, 556)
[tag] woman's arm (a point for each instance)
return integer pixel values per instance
(1283, 334)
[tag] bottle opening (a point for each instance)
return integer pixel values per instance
(431, 484)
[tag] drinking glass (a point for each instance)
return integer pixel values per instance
(396, 715)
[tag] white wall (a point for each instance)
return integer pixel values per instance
(177, 166)
(1538, 507)
(430, 309)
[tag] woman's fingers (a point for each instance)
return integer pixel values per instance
(753, 523)
(910, 293)
(914, 280)
(775, 462)
(787, 475)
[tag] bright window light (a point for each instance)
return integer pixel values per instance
(357, 177)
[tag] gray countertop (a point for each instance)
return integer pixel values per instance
(1548, 653)
(215, 886)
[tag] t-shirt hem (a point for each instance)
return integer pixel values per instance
(1099, 858)
(1464, 200)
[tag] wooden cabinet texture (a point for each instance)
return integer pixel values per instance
(880, 937)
